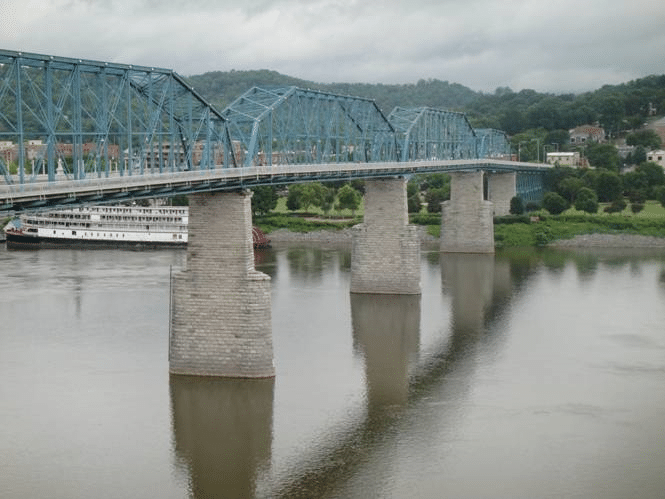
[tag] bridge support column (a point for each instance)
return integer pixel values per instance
(502, 188)
(386, 249)
(467, 225)
(220, 305)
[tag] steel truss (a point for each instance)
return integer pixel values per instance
(77, 118)
(425, 133)
(290, 125)
(530, 187)
(492, 143)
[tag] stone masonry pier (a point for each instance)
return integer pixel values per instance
(220, 305)
(502, 188)
(386, 249)
(467, 224)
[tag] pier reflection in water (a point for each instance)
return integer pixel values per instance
(386, 331)
(223, 433)
(399, 383)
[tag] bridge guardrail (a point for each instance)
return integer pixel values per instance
(174, 182)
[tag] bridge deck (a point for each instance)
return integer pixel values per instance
(115, 188)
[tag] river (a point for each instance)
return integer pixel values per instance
(525, 374)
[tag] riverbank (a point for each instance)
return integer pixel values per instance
(343, 236)
(609, 241)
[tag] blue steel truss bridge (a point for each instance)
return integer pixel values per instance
(77, 131)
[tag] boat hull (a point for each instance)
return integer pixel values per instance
(17, 240)
(23, 241)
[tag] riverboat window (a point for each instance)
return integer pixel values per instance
(73, 233)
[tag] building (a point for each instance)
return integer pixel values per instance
(657, 157)
(586, 133)
(571, 159)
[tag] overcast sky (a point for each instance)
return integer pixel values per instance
(550, 46)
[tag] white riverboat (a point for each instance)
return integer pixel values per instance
(100, 226)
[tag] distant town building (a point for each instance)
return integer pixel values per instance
(586, 133)
(625, 151)
(564, 159)
(657, 157)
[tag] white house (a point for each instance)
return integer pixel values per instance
(657, 157)
(564, 158)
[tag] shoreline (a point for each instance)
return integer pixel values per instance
(596, 240)
(599, 240)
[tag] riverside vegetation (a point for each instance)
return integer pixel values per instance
(538, 227)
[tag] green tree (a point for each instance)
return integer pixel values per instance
(348, 199)
(554, 203)
(264, 199)
(516, 205)
(654, 174)
(293, 199)
(648, 139)
(608, 186)
(586, 200)
(303, 196)
(568, 188)
(603, 156)
(312, 195)
(635, 181)
(435, 180)
(328, 200)
(434, 198)
(559, 137)
(638, 156)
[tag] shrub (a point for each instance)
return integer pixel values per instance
(586, 200)
(617, 206)
(554, 203)
(543, 236)
(636, 207)
(516, 206)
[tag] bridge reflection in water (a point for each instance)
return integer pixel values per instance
(223, 427)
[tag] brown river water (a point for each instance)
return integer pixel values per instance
(525, 374)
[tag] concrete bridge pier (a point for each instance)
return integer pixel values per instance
(502, 187)
(220, 305)
(386, 249)
(467, 224)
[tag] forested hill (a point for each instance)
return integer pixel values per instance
(615, 107)
(221, 88)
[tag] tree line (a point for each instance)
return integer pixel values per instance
(616, 108)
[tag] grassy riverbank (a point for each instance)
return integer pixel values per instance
(521, 231)
(510, 231)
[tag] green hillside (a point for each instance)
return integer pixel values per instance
(616, 107)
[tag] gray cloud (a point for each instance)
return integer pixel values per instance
(560, 46)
